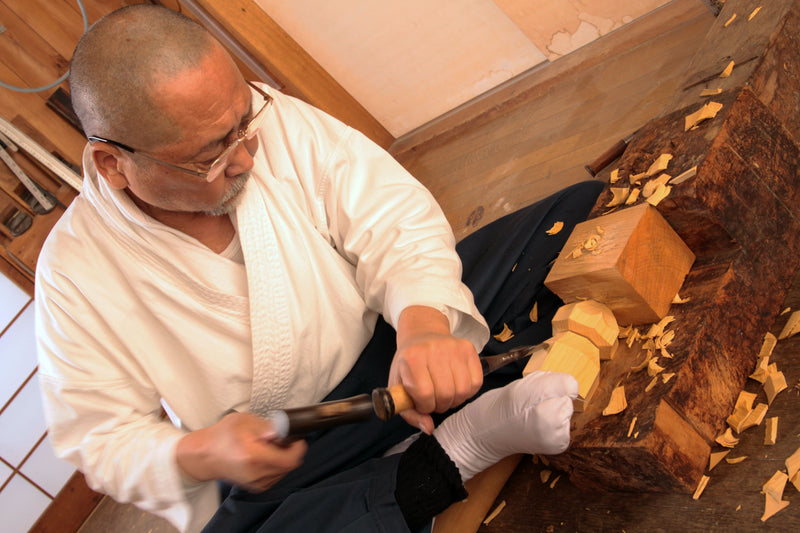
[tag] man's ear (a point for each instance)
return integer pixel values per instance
(107, 160)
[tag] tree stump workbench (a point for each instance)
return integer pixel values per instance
(740, 215)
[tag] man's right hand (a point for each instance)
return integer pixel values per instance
(241, 449)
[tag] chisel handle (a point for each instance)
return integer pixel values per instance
(389, 401)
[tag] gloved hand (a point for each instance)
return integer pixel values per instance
(530, 415)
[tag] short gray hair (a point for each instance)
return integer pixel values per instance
(118, 65)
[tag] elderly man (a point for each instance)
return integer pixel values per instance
(234, 249)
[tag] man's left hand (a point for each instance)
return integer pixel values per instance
(439, 371)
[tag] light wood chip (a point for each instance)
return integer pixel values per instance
(619, 195)
(678, 300)
(544, 475)
(633, 196)
(791, 327)
(614, 177)
(494, 513)
(755, 417)
(715, 458)
(710, 92)
(771, 431)
(728, 70)
(735, 460)
(727, 439)
(557, 227)
(700, 487)
(793, 464)
(707, 112)
(729, 21)
(775, 383)
(504, 335)
(773, 492)
(630, 428)
(754, 13)
(684, 176)
(534, 314)
(553, 483)
(661, 192)
(653, 368)
(617, 403)
(661, 163)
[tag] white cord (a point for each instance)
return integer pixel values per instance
(62, 78)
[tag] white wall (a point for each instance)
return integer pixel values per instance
(410, 61)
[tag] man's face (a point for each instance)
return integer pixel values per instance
(209, 105)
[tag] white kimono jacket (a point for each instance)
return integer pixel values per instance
(132, 313)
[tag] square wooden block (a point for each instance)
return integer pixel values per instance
(630, 260)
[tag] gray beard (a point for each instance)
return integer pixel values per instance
(232, 198)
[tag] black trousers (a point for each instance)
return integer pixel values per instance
(344, 483)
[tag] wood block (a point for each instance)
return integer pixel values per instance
(572, 354)
(591, 319)
(635, 265)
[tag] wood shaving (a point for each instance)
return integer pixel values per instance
(494, 513)
(786, 310)
(504, 335)
(677, 299)
(683, 176)
(741, 411)
(727, 439)
(715, 458)
(558, 226)
(634, 179)
(620, 194)
(754, 13)
(729, 21)
(771, 431)
(544, 475)
(651, 186)
(633, 196)
(700, 487)
(651, 384)
(667, 376)
(774, 384)
(791, 327)
(614, 177)
(661, 192)
(706, 112)
(773, 493)
(661, 163)
(553, 483)
(793, 464)
(534, 314)
(657, 329)
(755, 417)
(710, 92)
(630, 428)
(653, 368)
(728, 70)
(617, 403)
(735, 460)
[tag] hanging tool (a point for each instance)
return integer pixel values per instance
(383, 402)
(43, 197)
(44, 157)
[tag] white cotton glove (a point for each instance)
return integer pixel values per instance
(530, 415)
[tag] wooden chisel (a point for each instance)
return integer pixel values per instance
(384, 402)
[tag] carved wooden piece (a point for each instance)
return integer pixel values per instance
(572, 354)
(636, 268)
(591, 319)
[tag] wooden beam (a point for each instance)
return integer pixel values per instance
(287, 63)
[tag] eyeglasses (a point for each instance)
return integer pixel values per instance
(212, 171)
